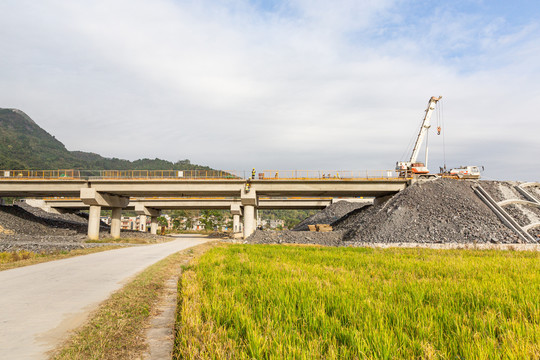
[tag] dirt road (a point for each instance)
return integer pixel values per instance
(40, 304)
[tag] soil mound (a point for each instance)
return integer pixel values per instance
(439, 211)
(330, 214)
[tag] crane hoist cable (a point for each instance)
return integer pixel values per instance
(443, 140)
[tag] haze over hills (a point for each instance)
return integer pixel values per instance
(24, 145)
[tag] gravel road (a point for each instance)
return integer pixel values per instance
(41, 303)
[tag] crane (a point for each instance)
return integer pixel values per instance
(412, 166)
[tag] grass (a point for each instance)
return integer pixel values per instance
(274, 302)
(14, 259)
(116, 330)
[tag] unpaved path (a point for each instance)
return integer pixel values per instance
(40, 304)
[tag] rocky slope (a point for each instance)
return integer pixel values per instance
(330, 214)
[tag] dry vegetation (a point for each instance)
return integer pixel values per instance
(14, 259)
(275, 302)
(116, 329)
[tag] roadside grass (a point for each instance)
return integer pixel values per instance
(276, 302)
(14, 259)
(116, 329)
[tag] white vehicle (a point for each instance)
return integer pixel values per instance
(412, 166)
(466, 172)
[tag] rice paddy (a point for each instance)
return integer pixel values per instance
(284, 302)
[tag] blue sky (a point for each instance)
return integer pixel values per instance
(299, 84)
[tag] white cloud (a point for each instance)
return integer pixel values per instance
(311, 84)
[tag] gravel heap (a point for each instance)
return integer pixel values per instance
(22, 222)
(330, 214)
(534, 191)
(296, 237)
(439, 211)
(23, 227)
(70, 218)
(442, 211)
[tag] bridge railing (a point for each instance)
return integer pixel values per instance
(69, 174)
(120, 174)
(170, 174)
(40, 174)
(329, 175)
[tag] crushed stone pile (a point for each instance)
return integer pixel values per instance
(330, 214)
(534, 191)
(439, 211)
(442, 211)
(23, 227)
(70, 218)
(296, 237)
(22, 222)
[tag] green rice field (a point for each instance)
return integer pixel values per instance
(292, 302)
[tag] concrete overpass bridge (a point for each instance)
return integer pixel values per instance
(153, 206)
(114, 189)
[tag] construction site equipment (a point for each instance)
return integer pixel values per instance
(326, 175)
(466, 172)
(413, 165)
(320, 228)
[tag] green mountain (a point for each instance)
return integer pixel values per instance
(26, 146)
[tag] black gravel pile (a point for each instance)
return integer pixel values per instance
(439, 211)
(48, 244)
(535, 232)
(517, 214)
(329, 215)
(296, 237)
(21, 222)
(493, 189)
(28, 228)
(70, 218)
(534, 191)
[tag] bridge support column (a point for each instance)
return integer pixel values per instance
(96, 200)
(142, 223)
(153, 225)
(236, 223)
(236, 211)
(143, 211)
(93, 222)
(248, 196)
(116, 222)
(249, 220)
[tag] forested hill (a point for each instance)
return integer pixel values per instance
(24, 146)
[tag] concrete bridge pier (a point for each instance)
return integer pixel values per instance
(249, 202)
(116, 222)
(236, 211)
(94, 220)
(153, 225)
(143, 211)
(96, 200)
(142, 223)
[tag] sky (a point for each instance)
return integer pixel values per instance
(280, 85)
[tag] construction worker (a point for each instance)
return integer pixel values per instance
(253, 174)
